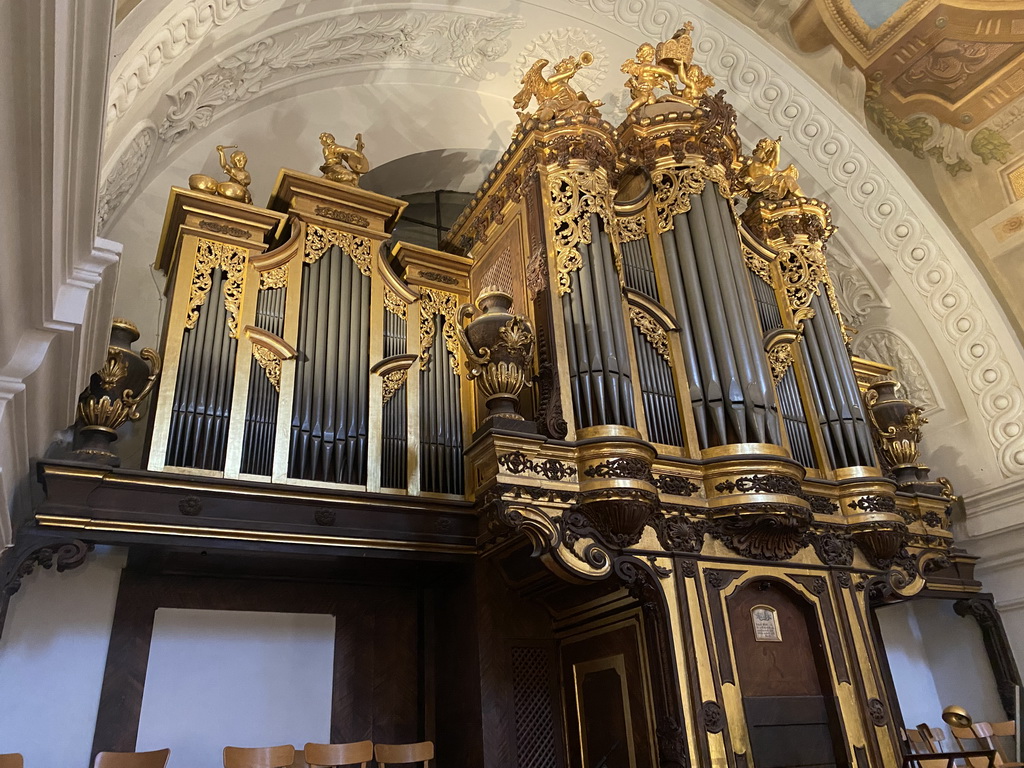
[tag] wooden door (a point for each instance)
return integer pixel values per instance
(790, 706)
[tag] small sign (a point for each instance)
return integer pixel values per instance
(766, 624)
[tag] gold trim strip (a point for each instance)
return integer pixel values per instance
(92, 524)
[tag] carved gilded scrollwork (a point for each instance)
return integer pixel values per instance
(392, 382)
(319, 239)
(757, 264)
(274, 278)
(437, 302)
(673, 187)
(394, 304)
(803, 271)
(209, 256)
(652, 331)
(575, 194)
(632, 227)
(270, 363)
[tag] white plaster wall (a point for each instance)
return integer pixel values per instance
(239, 678)
(52, 657)
(937, 658)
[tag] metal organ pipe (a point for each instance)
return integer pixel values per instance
(199, 416)
(595, 329)
(720, 345)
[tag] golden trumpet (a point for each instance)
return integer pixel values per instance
(586, 58)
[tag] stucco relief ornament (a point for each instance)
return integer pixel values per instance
(555, 97)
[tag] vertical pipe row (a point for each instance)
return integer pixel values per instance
(393, 470)
(731, 389)
(599, 369)
(199, 415)
(834, 385)
(331, 412)
(657, 388)
(793, 416)
(261, 404)
(638, 267)
(440, 421)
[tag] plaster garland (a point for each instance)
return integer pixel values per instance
(463, 40)
(948, 299)
(854, 291)
(179, 33)
(887, 346)
(127, 172)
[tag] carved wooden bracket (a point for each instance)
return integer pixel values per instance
(983, 610)
(30, 550)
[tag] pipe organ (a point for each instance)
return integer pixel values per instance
(651, 424)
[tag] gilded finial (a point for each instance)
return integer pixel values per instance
(555, 97)
(343, 164)
(668, 66)
(762, 176)
(236, 187)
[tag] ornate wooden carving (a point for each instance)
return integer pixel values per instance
(983, 610)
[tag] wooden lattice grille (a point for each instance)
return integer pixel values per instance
(534, 709)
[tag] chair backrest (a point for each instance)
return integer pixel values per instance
(919, 743)
(934, 737)
(12, 760)
(155, 759)
(989, 734)
(968, 740)
(259, 757)
(388, 754)
(354, 753)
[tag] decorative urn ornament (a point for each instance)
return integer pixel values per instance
(896, 424)
(113, 395)
(499, 348)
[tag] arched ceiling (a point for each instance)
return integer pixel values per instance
(420, 77)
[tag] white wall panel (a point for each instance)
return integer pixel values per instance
(239, 678)
(52, 657)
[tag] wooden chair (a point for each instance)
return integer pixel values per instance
(325, 755)
(921, 742)
(990, 732)
(259, 757)
(155, 759)
(966, 740)
(12, 760)
(389, 754)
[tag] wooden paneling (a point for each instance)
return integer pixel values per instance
(790, 708)
(379, 688)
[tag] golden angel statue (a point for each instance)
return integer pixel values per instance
(669, 66)
(343, 164)
(762, 176)
(644, 76)
(555, 97)
(236, 187)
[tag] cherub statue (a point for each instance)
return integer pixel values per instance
(676, 54)
(343, 164)
(645, 76)
(237, 185)
(555, 97)
(761, 175)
